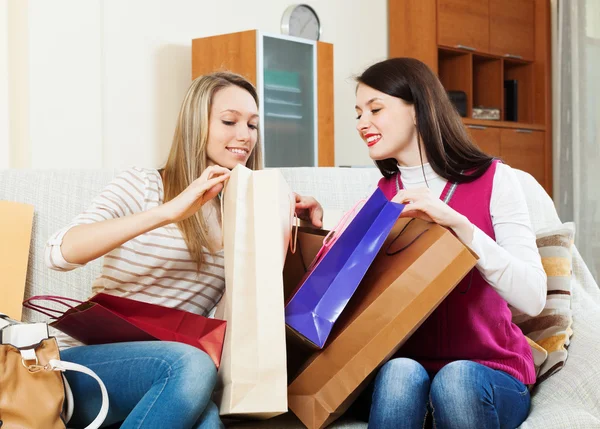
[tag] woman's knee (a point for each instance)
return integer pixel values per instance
(401, 375)
(192, 366)
(460, 382)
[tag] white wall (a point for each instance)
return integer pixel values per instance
(4, 129)
(15, 77)
(106, 77)
(65, 87)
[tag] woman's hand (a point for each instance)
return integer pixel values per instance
(198, 193)
(421, 203)
(309, 209)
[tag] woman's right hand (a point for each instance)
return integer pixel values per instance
(200, 191)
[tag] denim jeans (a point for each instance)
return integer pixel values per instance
(462, 395)
(150, 384)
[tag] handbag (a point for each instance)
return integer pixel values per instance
(33, 390)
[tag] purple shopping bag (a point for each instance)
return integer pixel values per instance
(330, 282)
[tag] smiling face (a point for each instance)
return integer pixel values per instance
(233, 127)
(387, 126)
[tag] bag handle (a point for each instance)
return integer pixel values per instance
(295, 223)
(294, 238)
(61, 365)
(333, 235)
(28, 355)
(29, 303)
(387, 250)
(342, 224)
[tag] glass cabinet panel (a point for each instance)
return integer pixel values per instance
(289, 100)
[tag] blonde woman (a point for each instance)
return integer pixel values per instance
(159, 232)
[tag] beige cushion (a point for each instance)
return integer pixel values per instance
(549, 333)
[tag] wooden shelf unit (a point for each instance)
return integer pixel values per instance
(474, 46)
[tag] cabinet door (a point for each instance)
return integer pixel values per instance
(290, 103)
(512, 25)
(488, 139)
(524, 149)
(464, 23)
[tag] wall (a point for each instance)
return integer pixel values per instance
(104, 79)
(4, 121)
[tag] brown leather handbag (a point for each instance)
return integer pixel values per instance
(33, 391)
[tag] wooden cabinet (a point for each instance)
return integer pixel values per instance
(487, 138)
(520, 148)
(463, 24)
(500, 27)
(512, 26)
(294, 80)
(524, 149)
(480, 45)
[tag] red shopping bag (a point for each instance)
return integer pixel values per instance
(112, 319)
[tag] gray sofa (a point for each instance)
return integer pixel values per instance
(568, 399)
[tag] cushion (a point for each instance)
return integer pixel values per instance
(549, 332)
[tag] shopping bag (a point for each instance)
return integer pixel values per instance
(108, 318)
(258, 215)
(419, 264)
(333, 278)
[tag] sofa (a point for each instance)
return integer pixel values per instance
(568, 399)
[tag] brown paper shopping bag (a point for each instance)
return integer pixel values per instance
(418, 266)
(258, 210)
(16, 220)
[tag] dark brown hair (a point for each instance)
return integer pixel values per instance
(449, 150)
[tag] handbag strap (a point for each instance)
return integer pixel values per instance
(32, 334)
(61, 365)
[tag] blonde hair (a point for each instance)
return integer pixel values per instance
(188, 158)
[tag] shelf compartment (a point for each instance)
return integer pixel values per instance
(522, 74)
(488, 86)
(455, 70)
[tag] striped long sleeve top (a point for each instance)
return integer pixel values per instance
(154, 267)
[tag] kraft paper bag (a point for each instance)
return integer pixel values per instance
(419, 264)
(258, 216)
(313, 309)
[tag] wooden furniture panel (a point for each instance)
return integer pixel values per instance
(512, 25)
(235, 51)
(488, 139)
(488, 87)
(412, 30)
(455, 72)
(523, 149)
(463, 23)
(326, 154)
(503, 124)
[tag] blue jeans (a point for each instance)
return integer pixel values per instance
(150, 384)
(462, 395)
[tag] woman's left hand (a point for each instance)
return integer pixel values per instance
(421, 203)
(309, 209)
